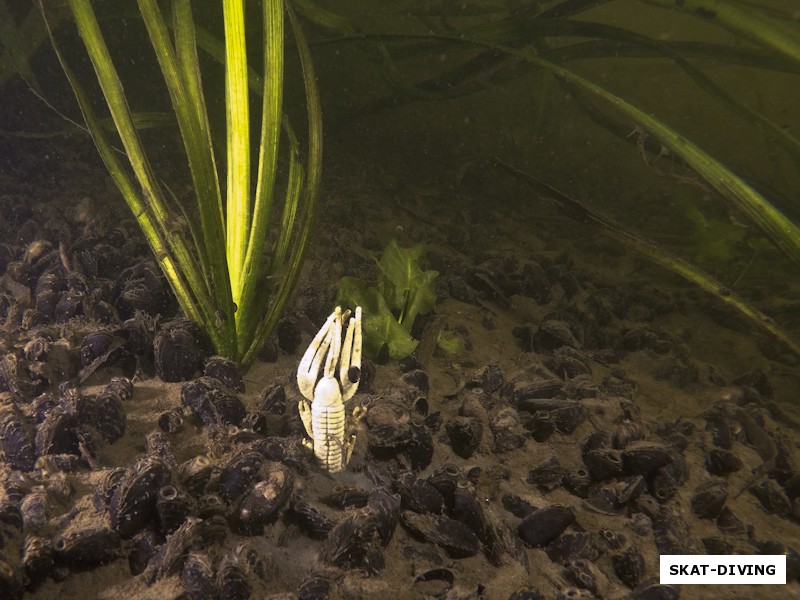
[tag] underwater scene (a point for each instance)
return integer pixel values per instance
(469, 300)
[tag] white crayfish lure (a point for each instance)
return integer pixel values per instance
(322, 410)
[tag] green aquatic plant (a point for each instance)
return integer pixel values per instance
(486, 46)
(404, 291)
(212, 250)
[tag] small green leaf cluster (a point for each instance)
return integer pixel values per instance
(404, 290)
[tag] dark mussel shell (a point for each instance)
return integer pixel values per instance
(106, 413)
(239, 474)
(86, 545)
(645, 459)
(133, 504)
(177, 353)
(233, 578)
(586, 575)
(37, 508)
(455, 537)
(722, 462)
(628, 432)
(548, 475)
(171, 421)
(445, 479)
(212, 403)
(172, 507)
(194, 474)
(419, 447)
(580, 545)
(192, 533)
(546, 524)
(709, 499)
(198, 577)
(37, 559)
(344, 496)
(771, 496)
(273, 399)
(315, 586)
(386, 509)
(418, 495)
(578, 482)
(262, 504)
(94, 345)
(629, 566)
(603, 463)
(16, 438)
(141, 290)
(57, 434)
(225, 371)
(348, 544)
(465, 435)
(312, 521)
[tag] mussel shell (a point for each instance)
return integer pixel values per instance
(709, 499)
(455, 537)
(629, 566)
(645, 459)
(419, 446)
(84, 546)
(233, 578)
(172, 507)
(344, 496)
(315, 586)
(212, 403)
(261, 506)
(37, 559)
(586, 575)
(171, 421)
(94, 345)
(133, 504)
(11, 585)
(573, 546)
(578, 482)
(468, 509)
(546, 524)
(445, 479)
(312, 521)
(771, 496)
(195, 473)
(177, 354)
(628, 432)
(37, 508)
(386, 509)
(722, 462)
(104, 413)
(603, 463)
(273, 399)
(464, 434)
(348, 544)
(198, 577)
(16, 438)
(57, 434)
(225, 371)
(239, 474)
(548, 475)
(418, 494)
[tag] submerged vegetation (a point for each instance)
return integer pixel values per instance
(212, 250)
(404, 292)
(430, 54)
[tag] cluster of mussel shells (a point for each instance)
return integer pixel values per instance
(199, 518)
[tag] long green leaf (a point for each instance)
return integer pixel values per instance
(181, 75)
(748, 24)
(237, 116)
(271, 111)
(305, 226)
